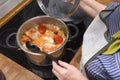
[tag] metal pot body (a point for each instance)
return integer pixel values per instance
(43, 60)
(37, 58)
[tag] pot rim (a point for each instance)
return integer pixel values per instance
(42, 16)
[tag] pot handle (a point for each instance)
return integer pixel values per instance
(12, 45)
(73, 31)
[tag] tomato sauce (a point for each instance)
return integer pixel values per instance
(47, 37)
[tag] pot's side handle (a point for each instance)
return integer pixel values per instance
(73, 31)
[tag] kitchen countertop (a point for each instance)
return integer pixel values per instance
(105, 2)
(8, 13)
(14, 71)
(76, 59)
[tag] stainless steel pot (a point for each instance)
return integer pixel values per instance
(36, 58)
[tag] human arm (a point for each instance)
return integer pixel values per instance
(90, 7)
(65, 71)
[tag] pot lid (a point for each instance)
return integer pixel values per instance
(58, 8)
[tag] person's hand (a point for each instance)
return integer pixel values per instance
(65, 71)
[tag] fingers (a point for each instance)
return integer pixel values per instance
(57, 70)
(56, 73)
(61, 68)
(65, 71)
(64, 64)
